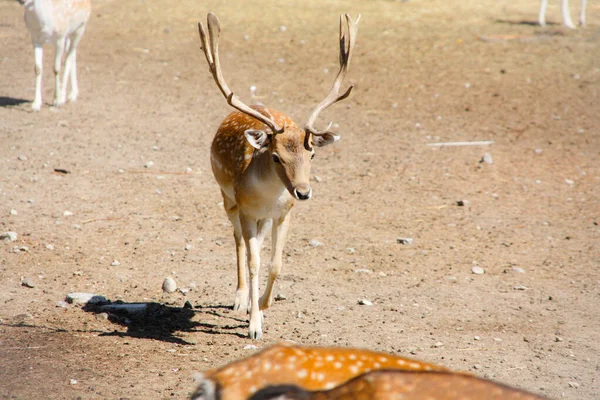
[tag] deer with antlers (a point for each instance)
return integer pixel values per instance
(261, 160)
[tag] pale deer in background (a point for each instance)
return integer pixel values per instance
(314, 373)
(566, 14)
(261, 160)
(60, 23)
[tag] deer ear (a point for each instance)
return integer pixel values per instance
(324, 140)
(257, 138)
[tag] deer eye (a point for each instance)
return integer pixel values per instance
(276, 158)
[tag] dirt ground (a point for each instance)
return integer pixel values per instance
(425, 71)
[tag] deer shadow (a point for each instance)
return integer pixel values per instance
(11, 101)
(162, 322)
(523, 22)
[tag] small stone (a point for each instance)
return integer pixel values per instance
(102, 316)
(314, 243)
(520, 287)
(569, 181)
(476, 338)
(363, 271)
(121, 171)
(487, 159)
(350, 250)
(115, 263)
(14, 212)
(62, 304)
(50, 246)
(85, 298)
(300, 315)
(317, 179)
(477, 270)
(184, 291)
(404, 240)
(538, 151)
(438, 344)
(188, 305)
(498, 340)
(519, 270)
(68, 213)
(250, 347)
(558, 339)
(73, 382)
(22, 157)
(283, 28)
(76, 226)
(574, 385)
(365, 302)
(463, 203)
(188, 247)
(280, 297)
(476, 366)
(188, 170)
(149, 164)
(169, 285)
(9, 236)
(28, 282)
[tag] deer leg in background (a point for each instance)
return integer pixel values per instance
(38, 52)
(59, 95)
(241, 293)
(279, 232)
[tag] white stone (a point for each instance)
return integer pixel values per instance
(9, 236)
(365, 302)
(169, 285)
(85, 298)
(477, 270)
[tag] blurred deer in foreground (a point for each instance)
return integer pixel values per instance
(61, 23)
(262, 160)
(312, 373)
(566, 14)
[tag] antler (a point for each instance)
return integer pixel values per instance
(212, 57)
(345, 55)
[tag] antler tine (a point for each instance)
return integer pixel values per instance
(346, 47)
(210, 47)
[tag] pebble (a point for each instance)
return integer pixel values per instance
(188, 305)
(574, 385)
(476, 338)
(28, 282)
(9, 236)
(85, 298)
(62, 304)
(102, 316)
(569, 181)
(68, 213)
(365, 302)
(519, 270)
(22, 157)
(50, 246)
(314, 243)
(439, 344)
(520, 287)
(73, 382)
(250, 347)
(299, 314)
(538, 151)
(280, 297)
(487, 158)
(169, 285)
(404, 240)
(317, 178)
(463, 203)
(115, 263)
(149, 164)
(477, 270)
(363, 271)
(350, 250)
(188, 247)
(14, 212)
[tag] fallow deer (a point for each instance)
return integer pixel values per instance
(261, 160)
(566, 14)
(311, 373)
(61, 23)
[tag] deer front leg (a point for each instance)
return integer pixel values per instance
(542, 15)
(59, 95)
(250, 233)
(279, 232)
(567, 15)
(38, 53)
(241, 294)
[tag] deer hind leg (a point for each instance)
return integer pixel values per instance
(241, 294)
(566, 14)
(582, 13)
(250, 232)
(71, 64)
(279, 232)
(38, 53)
(59, 95)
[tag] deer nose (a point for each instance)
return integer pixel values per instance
(302, 192)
